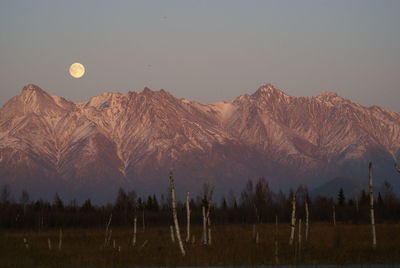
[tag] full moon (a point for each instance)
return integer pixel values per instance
(76, 70)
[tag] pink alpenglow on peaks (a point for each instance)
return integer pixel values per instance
(49, 144)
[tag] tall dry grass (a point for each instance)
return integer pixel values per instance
(232, 245)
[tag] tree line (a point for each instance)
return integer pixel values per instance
(256, 203)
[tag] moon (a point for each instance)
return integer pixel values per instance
(77, 70)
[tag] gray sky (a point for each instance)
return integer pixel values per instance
(203, 50)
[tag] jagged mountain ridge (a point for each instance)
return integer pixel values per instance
(48, 143)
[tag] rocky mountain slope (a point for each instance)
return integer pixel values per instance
(49, 144)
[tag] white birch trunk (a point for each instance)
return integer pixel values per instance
(208, 222)
(107, 234)
(299, 234)
(307, 221)
(293, 220)
(171, 228)
(209, 229)
(204, 226)
(187, 218)
(134, 232)
(26, 243)
(49, 243)
(143, 245)
(276, 241)
(334, 215)
(109, 237)
(371, 198)
(357, 204)
(60, 240)
(174, 214)
(143, 219)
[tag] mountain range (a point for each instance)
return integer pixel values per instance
(50, 144)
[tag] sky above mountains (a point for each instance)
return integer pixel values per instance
(206, 51)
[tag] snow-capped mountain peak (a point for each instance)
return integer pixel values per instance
(133, 139)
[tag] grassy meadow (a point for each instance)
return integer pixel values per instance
(231, 245)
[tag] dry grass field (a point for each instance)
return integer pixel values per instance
(231, 245)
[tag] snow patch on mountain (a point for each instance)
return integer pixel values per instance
(225, 109)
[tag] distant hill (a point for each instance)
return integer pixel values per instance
(351, 187)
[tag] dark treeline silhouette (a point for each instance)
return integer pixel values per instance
(257, 203)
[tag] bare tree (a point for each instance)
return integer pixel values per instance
(203, 209)
(187, 218)
(307, 220)
(299, 236)
(26, 243)
(371, 198)
(24, 199)
(276, 241)
(397, 167)
(174, 214)
(207, 196)
(143, 225)
(293, 219)
(262, 198)
(5, 194)
(209, 228)
(171, 228)
(333, 214)
(107, 234)
(60, 239)
(134, 231)
(247, 195)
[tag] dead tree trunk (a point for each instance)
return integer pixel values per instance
(109, 237)
(299, 234)
(276, 241)
(254, 225)
(174, 214)
(143, 225)
(209, 229)
(60, 239)
(356, 204)
(293, 220)
(107, 231)
(334, 215)
(206, 216)
(187, 218)
(209, 197)
(26, 243)
(396, 167)
(171, 228)
(204, 226)
(134, 231)
(307, 222)
(371, 198)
